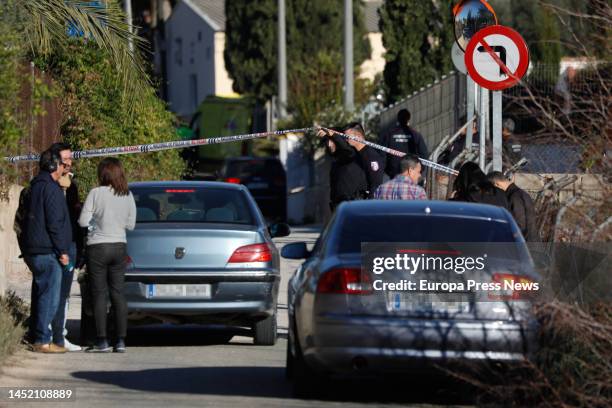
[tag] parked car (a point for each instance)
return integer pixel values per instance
(201, 253)
(265, 178)
(338, 325)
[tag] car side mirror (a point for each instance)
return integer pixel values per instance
(295, 250)
(279, 230)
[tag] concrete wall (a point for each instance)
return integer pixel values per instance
(223, 83)
(376, 63)
(10, 263)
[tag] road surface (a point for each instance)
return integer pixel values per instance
(177, 366)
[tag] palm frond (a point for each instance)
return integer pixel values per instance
(47, 29)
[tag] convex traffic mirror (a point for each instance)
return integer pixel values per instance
(470, 17)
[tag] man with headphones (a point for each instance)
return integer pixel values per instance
(46, 239)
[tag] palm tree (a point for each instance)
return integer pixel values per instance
(49, 25)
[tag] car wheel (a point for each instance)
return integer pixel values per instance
(289, 359)
(265, 331)
(306, 383)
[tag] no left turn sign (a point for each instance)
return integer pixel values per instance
(497, 57)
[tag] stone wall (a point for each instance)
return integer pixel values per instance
(10, 263)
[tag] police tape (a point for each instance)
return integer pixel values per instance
(156, 147)
(179, 144)
(424, 162)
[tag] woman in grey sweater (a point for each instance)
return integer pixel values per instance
(108, 212)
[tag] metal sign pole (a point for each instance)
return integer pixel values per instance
(482, 125)
(470, 111)
(497, 130)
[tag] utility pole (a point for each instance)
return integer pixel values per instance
(349, 93)
(483, 125)
(282, 61)
(127, 6)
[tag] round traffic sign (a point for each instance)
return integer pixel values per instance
(497, 57)
(458, 57)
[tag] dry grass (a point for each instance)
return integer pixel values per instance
(13, 313)
(572, 368)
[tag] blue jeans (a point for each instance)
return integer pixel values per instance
(59, 321)
(46, 284)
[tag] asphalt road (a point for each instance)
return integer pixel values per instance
(195, 366)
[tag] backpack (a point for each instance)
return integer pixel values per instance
(21, 215)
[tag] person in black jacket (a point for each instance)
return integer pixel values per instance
(521, 205)
(75, 253)
(405, 139)
(472, 185)
(45, 238)
(356, 169)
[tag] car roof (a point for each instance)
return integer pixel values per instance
(422, 207)
(188, 184)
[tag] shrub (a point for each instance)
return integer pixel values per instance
(96, 115)
(13, 313)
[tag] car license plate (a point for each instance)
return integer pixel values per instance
(426, 303)
(179, 291)
(256, 186)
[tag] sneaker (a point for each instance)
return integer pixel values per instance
(100, 347)
(71, 347)
(50, 348)
(120, 346)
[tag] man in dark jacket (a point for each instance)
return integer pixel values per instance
(405, 139)
(521, 205)
(356, 169)
(46, 238)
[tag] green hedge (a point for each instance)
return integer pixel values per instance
(96, 114)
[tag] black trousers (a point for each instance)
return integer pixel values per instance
(106, 268)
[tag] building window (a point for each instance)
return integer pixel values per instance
(178, 51)
(199, 36)
(193, 83)
(192, 52)
(208, 53)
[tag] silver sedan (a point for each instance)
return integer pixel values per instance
(340, 325)
(202, 253)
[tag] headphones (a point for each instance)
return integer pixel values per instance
(50, 161)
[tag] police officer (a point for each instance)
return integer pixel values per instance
(356, 170)
(405, 139)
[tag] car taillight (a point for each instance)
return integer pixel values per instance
(234, 180)
(514, 287)
(350, 281)
(252, 253)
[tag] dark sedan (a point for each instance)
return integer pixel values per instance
(265, 178)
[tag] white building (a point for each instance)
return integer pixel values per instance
(195, 40)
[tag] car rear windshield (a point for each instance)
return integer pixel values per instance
(187, 204)
(400, 228)
(255, 168)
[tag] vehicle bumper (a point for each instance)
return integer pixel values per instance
(377, 345)
(234, 296)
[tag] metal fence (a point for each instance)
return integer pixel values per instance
(41, 129)
(436, 109)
